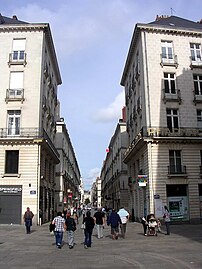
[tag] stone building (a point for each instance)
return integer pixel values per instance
(29, 110)
(68, 177)
(113, 175)
(162, 78)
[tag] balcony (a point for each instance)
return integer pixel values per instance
(197, 97)
(19, 132)
(172, 97)
(168, 60)
(14, 95)
(195, 62)
(177, 171)
(17, 58)
(162, 133)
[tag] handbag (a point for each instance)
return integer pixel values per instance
(83, 226)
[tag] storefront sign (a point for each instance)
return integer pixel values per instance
(10, 189)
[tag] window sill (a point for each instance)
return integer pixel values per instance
(11, 175)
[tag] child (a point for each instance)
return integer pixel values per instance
(158, 226)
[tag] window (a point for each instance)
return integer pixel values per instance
(14, 122)
(195, 50)
(197, 84)
(199, 118)
(169, 83)
(175, 161)
(172, 119)
(12, 160)
(167, 50)
(18, 50)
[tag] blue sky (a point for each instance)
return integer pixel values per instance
(91, 39)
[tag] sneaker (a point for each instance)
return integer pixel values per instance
(85, 246)
(59, 246)
(70, 247)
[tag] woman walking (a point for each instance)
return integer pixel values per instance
(166, 217)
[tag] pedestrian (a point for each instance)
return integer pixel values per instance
(88, 230)
(99, 218)
(75, 216)
(59, 222)
(114, 220)
(83, 213)
(124, 215)
(145, 225)
(70, 228)
(28, 216)
(158, 226)
(166, 217)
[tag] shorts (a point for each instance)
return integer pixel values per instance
(114, 230)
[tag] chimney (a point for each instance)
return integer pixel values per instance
(158, 18)
(15, 17)
(124, 114)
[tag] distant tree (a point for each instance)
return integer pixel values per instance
(87, 201)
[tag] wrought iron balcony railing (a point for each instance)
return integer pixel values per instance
(17, 57)
(169, 59)
(195, 62)
(163, 132)
(15, 95)
(176, 170)
(172, 97)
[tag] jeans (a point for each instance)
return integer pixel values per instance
(70, 238)
(167, 223)
(28, 224)
(99, 230)
(88, 236)
(58, 238)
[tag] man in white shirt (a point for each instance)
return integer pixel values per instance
(124, 215)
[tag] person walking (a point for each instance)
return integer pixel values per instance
(99, 218)
(88, 230)
(124, 215)
(70, 228)
(166, 217)
(145, 225)
(28, 216)
(59, 223)
(114, 220)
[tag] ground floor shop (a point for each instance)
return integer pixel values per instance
(164, 174)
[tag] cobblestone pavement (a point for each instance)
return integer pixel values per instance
(181, 250)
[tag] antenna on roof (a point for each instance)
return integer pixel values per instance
(171, 11)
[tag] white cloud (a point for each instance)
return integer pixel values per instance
(76, 28)
(112, 111)
(91, 177)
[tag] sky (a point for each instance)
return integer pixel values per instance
(92, 39)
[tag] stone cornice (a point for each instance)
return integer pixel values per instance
(170, 29)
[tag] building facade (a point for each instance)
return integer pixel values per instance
(163, 90)
(28, 100)
(68, 177)
(113, 175)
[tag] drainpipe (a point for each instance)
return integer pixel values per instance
(38, 182)
(147, 83)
